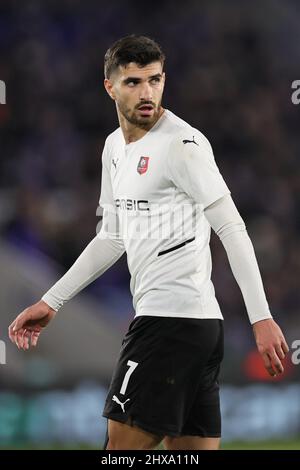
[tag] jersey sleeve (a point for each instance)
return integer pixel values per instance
(193, 168)
(227, 223)
(106, 199)
(109, 225)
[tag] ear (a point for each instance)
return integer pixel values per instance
(109, 88)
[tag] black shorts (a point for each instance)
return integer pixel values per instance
(166, 378)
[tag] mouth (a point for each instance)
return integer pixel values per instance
(146, 109)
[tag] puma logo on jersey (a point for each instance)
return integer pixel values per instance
(114, 162)
(186, 141)
(116, 399)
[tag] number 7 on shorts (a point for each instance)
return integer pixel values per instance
(132, 366)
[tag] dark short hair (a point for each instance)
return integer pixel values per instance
(138, 49)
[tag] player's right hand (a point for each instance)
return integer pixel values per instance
(25, 330)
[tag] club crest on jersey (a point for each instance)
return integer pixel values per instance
(143, 165)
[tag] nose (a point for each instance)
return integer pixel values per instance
(145, 92)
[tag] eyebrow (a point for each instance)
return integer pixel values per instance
(136, 79)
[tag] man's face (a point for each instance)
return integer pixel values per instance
(137, 92)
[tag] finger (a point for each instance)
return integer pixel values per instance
(15, 340)
(11, 333)
(19, 322)
(26, 337)
(22, 319)
(276, 362)
(23, 338)
(268, 364)
(284, 346)
(34, 337)
(279, 351)
(18, 338)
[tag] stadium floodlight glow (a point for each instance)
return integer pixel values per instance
(2, 92)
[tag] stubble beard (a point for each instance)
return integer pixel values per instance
(139, 121)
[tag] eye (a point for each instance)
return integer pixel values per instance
(155, 80)
(132, 83)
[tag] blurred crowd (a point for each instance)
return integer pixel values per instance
(229, 70)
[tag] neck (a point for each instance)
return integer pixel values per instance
(132, 132)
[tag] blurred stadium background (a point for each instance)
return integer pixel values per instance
(230, 66)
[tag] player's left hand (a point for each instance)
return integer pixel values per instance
(271, 345)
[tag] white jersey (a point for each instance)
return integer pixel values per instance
(158, 188)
